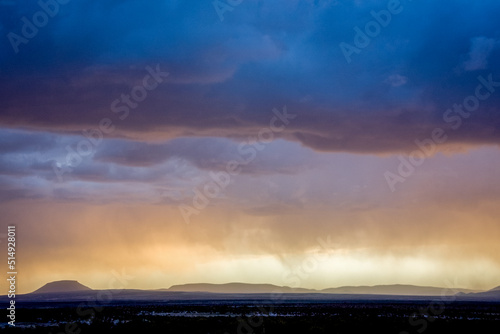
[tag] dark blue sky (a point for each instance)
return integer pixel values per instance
(225, 76)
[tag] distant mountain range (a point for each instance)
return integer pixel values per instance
(60, 291)
(237, 288)
(395, 289)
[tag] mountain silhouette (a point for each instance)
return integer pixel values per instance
(394, 289)
(68, 290)
(62, 286)
(397, 289)
(237, 288)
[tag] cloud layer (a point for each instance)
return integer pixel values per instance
(225, 77)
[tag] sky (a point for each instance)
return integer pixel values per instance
(313, 143)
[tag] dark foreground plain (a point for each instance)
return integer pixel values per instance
(259, 316)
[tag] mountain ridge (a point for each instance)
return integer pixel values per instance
(64, 286)
(73, 291)
(388, 289)
(61, 287)
(237, 287)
